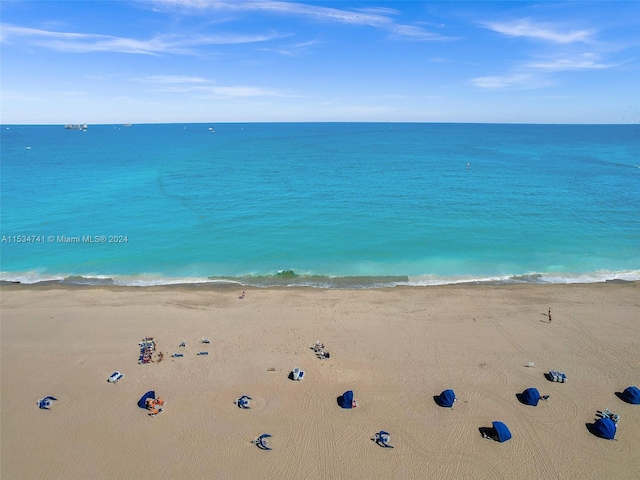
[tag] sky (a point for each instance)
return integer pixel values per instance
(175, 61)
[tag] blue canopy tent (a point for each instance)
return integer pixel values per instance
(631, 395)
(142, 403)
(446, 399)
(502, 431)
(530, 396)
(261, 442)
(243, 402)
(604, 428)
(382, 439)
(45, 403)
(346, 399)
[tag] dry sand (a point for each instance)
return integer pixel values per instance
(395, 348)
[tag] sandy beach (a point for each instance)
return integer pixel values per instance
(395, 348)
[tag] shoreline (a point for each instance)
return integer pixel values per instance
(289, 279)
(228, 286)
(396, 348)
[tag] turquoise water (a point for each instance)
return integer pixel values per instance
(322, 204)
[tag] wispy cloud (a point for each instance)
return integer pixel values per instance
(282, 8)
(245, 91)
(292, 50)
(412, 32)
(561, 42)
(525, 27)
(535, 74)
(586, 61)
(203, 86)
(512, 81)
(171, 79)
(74, 42)
(381, 17)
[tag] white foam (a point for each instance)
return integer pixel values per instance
(355, 282)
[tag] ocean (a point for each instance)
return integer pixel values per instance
(329, 205)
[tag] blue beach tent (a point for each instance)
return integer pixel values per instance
(502, 431)
(262, 441)
(45, 403)
(346, 399)
(631, 395)
(142, 403)
(447, 398)
(604, 428)
(531, 396)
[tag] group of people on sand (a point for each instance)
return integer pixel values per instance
(154, 405)
(321, 351)
(147, 349)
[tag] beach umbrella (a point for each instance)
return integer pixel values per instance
(502, 431)
(346, 399)
(530, 396)
(447, 398)
(142, 403)
(604, 428)
(631, 395)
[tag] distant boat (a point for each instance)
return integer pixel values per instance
(126, 124)
(211, 129)
(76, 126)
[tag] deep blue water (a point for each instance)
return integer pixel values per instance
(325, 204)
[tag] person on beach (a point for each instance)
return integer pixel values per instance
(549, 315)
(242, 296)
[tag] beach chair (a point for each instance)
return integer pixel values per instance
(382, 438)
(297, 374)
(261, 442)
(610, 415)
(243, 402)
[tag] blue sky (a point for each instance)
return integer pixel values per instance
(148, 61)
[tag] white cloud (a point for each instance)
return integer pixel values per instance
(286, 8)
(244, 91)
(525, 27)
(415, 33)
(203, 86)
(372, 17)
(534, 73)
(292, 49)
(171, 79)
(587, 61)
(512, 81)
(73, 42)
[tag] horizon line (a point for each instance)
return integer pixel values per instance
(312, 121)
